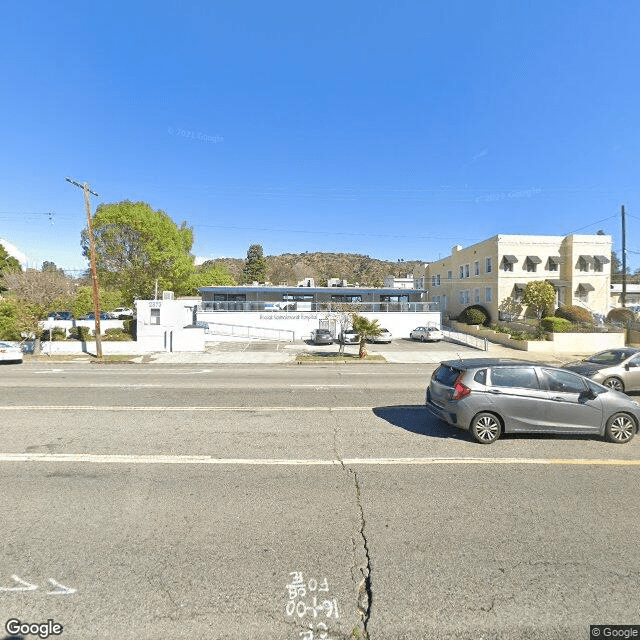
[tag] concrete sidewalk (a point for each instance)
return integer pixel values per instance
(268, 352)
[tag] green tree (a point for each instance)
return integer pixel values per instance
(8, 264)
(255, 266)
(209, 276)
(540, 297)
(18, 319)
(82, 302)
(365, 328)
(137, 246)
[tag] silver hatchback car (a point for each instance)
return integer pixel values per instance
(490, 396)
(615, 368)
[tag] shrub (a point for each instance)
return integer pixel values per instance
(80, 333)
(117, 335)
(57, 333)
(573, 314)
(474, 315)
(622, 314)
(556, 325)
(130, 327)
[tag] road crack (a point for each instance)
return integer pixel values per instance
(361, 571)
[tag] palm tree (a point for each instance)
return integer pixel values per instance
(365, 328)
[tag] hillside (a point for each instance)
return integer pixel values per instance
(355, 268)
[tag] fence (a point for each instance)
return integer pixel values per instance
(464, 338)
(242, 331)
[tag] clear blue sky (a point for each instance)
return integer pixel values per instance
(390, 129)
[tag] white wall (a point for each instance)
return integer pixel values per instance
(301, 323)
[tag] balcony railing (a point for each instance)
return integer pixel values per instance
(326, 307)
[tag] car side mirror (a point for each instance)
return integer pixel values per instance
(590, 394)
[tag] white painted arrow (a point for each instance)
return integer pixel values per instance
(63, 591)
(26, 586)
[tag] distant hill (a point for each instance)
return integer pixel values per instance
(353, 267)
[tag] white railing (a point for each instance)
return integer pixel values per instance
(242, 331)
(280, 307)
(464, 338)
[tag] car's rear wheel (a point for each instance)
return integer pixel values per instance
(620, 428)
(486, 428)
(614, 383)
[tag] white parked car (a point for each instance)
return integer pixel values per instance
(10, 353)
(349, 337)
(121, 312)
(383, 336)
(430, 333)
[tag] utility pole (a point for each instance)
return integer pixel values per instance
(624, 261)
(94, 274)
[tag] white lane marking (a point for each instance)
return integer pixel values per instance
(61, 590)
(209, 460)
(318, 386)
(168, 409)
(50, 371)
(26, 586)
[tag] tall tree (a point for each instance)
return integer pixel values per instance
(137, 246)
(365, 328)
(40, 287)
(539, 296)
(8, 264)
(255, 266)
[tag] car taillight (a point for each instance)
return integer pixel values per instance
(461, 390)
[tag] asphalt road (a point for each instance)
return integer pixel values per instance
(286, 501)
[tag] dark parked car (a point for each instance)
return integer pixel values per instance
(60, 315)
(615, 368)
(321, 336)
(92, 316)
(491, 396)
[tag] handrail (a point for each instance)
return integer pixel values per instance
(464, 338)
(247, 331)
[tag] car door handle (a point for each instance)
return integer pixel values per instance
(558, 399)
(496, 391)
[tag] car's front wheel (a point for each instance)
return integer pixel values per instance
(614, 383)
(423, 339)
(620, 428)
(486, 428)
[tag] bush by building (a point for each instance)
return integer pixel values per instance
(622, 314)
(475, 314)
(574, 314)
(556, 325)
(117, 335)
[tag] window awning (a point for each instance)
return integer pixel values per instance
(602, 259)
(509, 259)
(534, 259)
(585, 286)
(587, 259)
(555, 283)
(555, 259)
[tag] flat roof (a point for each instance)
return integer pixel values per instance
(336, 290)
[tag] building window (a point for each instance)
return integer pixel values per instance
(583, 290)
(466, 270)
(155, 316)
(463, 296)
(449, 275)
(435, 281)
(584, 262)
(599, 262)
(531, 263)
(476, 296)
(553, 263)
(461, 272)
(487, 294)
(488, 265)
(508, 262)
(476, 268)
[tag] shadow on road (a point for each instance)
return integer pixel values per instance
(416, 419)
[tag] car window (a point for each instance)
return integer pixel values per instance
(635, 361)
(521, 377)
(481, 376)
(446, 375)
(607, 357)
(563, 381)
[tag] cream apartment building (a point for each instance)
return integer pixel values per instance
(493, 273)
